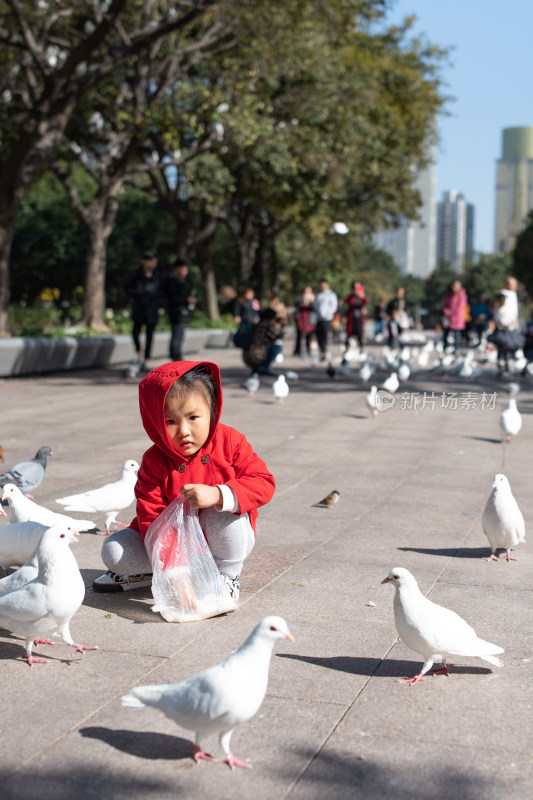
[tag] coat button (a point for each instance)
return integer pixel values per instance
(205, 459)
(182, 468)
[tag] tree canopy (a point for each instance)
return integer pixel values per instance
(274, 119)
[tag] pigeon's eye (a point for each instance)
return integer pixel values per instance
(395, 577)
(273, 628)
(61, 535)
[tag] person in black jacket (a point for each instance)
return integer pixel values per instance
(145, 286)
(179, 304)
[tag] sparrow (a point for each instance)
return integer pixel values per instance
(330, 500)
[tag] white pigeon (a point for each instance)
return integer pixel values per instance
(423, 359)
(371, 400)
(221, 697)
(404, 372)
(435, 632)
(23, 510)
(391, 384)
(45, 605)
(513, 388)
(405, 354)
(280, 388)
(18, 540)
(24, 574)
(510, 420)
(390, 356)
(252, 384)
(466, 368)
(29, 569)
(365, 373)
(502, 520)
(113, 497)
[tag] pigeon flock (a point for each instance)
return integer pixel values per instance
(40, 598)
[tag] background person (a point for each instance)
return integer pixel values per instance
(144, 287)
(355, 304)
(454, 311)
(326, 304)
(179, 305)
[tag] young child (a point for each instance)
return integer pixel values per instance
(210, 464)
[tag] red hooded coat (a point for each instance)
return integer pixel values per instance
(225, 458)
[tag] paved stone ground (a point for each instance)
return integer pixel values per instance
(337, 722)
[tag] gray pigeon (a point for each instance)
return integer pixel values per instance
(221, 697)
(27, 475)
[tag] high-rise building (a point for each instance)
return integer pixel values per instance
(455, 230)
(412, 245)
(514, 187)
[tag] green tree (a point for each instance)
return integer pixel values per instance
(487, 276)
(437, 284)
(523, 256)
(52, 60)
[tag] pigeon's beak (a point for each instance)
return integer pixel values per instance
(290, 637)
(73, 535)
(385, 580)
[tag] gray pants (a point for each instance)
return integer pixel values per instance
(230, 539)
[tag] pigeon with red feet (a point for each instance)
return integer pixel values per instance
(45, 605)
(435, 632)
(221, 697)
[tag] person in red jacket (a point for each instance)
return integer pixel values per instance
(194, 455)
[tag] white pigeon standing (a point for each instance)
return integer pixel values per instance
(513, 388)
(391, 384)
(511, 420)
(365, 373)
(435, 632)
(113, 497)
(404, 371)
(29, 569)
(371, 401)
(466, 367)
(502, 520)
(221, 697)
(45, 605)
(23, 510)
(280, 388)
(18, 540)
(423, 359)
(252, 384)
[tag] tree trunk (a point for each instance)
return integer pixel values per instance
(100, 221)
(262, 261)
(205, 256)
(8, 218)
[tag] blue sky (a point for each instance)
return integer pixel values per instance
(489, 75)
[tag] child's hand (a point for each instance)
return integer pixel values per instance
(201, 496)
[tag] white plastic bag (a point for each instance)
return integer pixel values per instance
(186, 583)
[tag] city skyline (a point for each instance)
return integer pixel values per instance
(488, 77)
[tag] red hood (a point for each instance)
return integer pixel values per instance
(152, 392)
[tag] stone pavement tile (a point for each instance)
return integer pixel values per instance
(49, 699)
(140, 753)
(382, 767)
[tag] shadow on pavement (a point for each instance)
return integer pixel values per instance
(344, 774)
(484, 439)
(376, 667)
(142, 744)
(450, 552)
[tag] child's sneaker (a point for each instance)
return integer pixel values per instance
(111, 582)
(233, 586)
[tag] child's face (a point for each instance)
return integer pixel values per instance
(188, 423)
